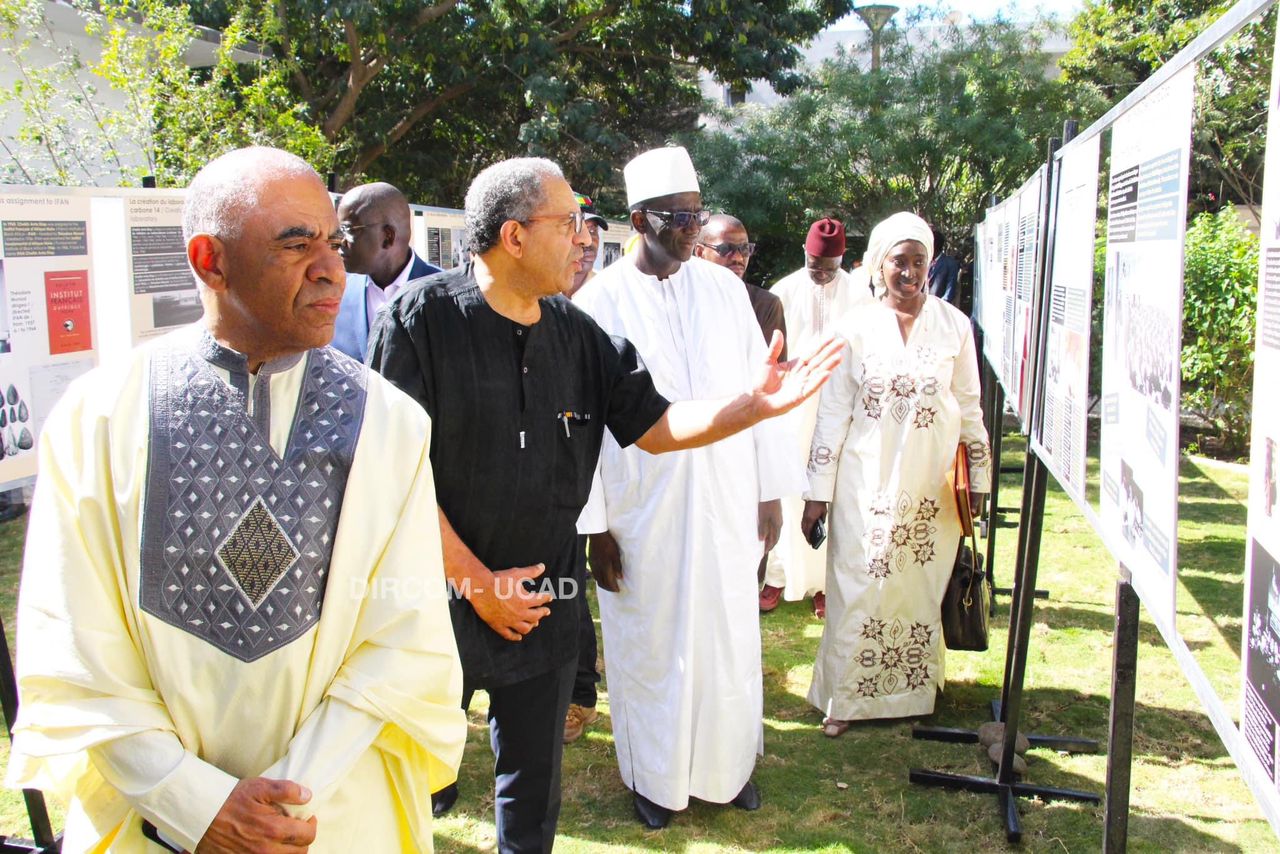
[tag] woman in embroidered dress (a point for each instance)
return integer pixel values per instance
(888, 425)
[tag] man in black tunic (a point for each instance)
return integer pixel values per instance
(520, 386)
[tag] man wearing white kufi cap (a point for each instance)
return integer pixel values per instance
(677, 539)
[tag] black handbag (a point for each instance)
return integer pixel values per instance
(966, 614)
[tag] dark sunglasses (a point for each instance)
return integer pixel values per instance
(682, 219)
(724, 250)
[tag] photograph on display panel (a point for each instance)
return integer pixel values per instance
(610, 252)
(1262, 657)
(16, 434)
(164, 294)
(6, 338)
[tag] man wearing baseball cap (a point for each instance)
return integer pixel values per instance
(594, 222)
(582, 702)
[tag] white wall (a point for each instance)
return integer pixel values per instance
(67, 29)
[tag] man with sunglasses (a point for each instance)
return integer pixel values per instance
(676, 540)
(375, 221)
(724, 241)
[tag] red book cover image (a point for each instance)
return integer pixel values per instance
(67, 301)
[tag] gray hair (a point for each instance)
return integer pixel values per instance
(509, 189)
(229, 186)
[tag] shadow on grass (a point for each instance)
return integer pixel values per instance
(1146, 831)
(1195, 482)
(852, 792)
(1221, 556)
(1211, 564)
(1064, 617)
(1226, 510)
(1069, 618)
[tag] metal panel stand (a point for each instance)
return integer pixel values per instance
(43, 840)
(1004, 784)
(993, 414)
(1124, 679)
(1026, 566)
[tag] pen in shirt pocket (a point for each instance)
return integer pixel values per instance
(568, 415)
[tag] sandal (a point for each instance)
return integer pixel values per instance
(833, 728)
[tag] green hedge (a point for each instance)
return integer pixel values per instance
(1218, 320)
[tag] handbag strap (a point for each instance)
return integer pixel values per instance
(976, 576)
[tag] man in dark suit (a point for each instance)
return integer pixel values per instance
(944, 272)
(723, 241)
(376, 228)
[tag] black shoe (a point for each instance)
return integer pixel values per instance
(443, 800)
(748, 799)
(650, 814)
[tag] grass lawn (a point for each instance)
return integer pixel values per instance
(851, 793)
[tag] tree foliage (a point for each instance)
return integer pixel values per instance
(1118, 44)
(1218, 319)
(937, 129)
(168, 119)
(425, 93)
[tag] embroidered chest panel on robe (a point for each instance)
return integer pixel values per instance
(905, 387)
(236, 541)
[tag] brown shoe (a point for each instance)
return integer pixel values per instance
(820, 605)
(577, 720)
(770, 596)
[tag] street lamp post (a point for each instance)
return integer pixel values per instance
(876, 16)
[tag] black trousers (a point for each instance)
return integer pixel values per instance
(526, 732)
(584, 683)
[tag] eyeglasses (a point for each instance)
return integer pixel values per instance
(574, 220)
(724, 250)
(348, 231)
(682, 220)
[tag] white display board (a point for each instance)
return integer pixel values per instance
(979, 272)
(1062, 436)
(1016, 373)
(162, 291)
(1007, 253)
(1260, 713)
(1150, 150)
(440, 236)
(996, 285)
(1008, 249)
(47, 335)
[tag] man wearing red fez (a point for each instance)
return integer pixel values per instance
(815, 300)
